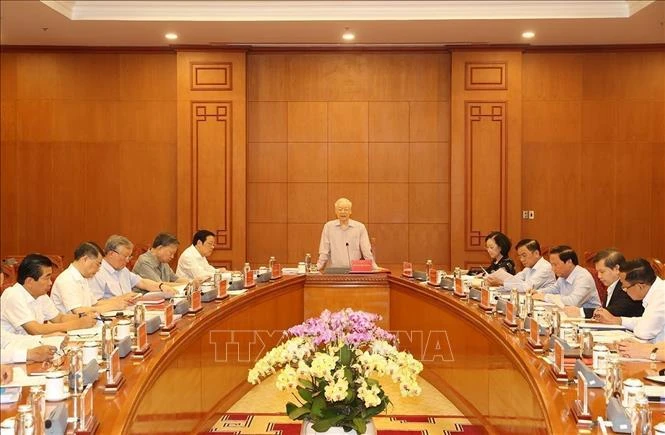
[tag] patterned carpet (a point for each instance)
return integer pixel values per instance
(280, 424)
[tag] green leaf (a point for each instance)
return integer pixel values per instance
(359, 425)
(298, 413)
(348, 375)
(318, 405)
(307, 384)
(371, 382)
(327, 423)
(345, 355)
(305, 394)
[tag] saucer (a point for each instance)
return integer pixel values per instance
(236, 292)
(58, 399)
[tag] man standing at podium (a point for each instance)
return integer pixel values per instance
(343, 239)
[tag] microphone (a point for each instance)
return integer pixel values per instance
(348, 255)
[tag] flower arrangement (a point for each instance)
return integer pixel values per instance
(330, 361)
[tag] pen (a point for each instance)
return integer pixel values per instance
(601, 423)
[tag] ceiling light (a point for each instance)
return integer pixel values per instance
(348, 35)
(528, 34)
(171, 36)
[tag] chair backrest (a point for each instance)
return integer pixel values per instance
(138, 251)
(11, 262)
(591, 267)
(658, 267)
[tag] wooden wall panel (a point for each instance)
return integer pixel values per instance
(370, 126)
(212, 150)
(91, 151)
(592, 145)
(486, 138)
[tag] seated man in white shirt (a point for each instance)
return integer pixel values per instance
(641, 283)
(575, 285)
(114, 279)
(193, 261)
(15, 348)
(25, 306)
(71, 290)
(18, 348)
(343, 239)
(537, 272)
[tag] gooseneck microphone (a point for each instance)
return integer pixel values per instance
(348, 255)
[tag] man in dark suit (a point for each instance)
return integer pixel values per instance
(618, 303)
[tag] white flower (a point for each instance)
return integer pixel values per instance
(337, 391)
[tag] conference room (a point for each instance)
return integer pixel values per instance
(349, 155)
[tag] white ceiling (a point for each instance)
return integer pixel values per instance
(321, 23)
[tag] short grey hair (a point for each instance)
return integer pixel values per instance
(342, 201)
(115, 241)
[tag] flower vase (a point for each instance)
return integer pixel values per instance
(307, 430)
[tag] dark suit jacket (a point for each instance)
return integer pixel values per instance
(620, 305)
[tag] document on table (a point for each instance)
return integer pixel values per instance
(21, 379)
(601, 326)
(94, 332)
(606, 337)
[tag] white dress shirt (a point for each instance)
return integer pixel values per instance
(651, 326)
(71, 290)
(192, 264)
(14, 347)
(578, 290)
(339, 245)
(538, 276)
(109, 282)
(18, 307)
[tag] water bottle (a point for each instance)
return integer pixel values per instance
(107, 340)
(37, 401)
(25, 421)
(428, 267)
(139, 314)
(308, 262)
(75, 361)
(271, 263)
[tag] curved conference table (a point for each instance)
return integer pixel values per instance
(200, 370)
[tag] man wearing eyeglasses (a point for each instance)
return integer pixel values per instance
(114, 279)
(343, 239)
(193, 262)
(641, 283)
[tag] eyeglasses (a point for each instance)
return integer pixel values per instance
(126, 257)
(632, 285)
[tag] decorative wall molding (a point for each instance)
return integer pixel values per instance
(485, 191)
(211, 127)
(485, 76)
(211, 76)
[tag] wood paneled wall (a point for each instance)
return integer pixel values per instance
(373, 127)
(211, 151)
(486, 132)
(97, 143)
(88, 149)
(593, 150)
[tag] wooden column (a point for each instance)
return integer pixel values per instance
(211, 151)
(486, 140)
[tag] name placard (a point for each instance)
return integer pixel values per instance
(276, 271)
(559, 355)
(407, 269)
(221, 288)
(196, 301)
(85, 410)
(485, 302)
(113, 372)
(249, 279)
(168, 316)
(510, 315)
(141, 336)
(432, 277)
(459, 287)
